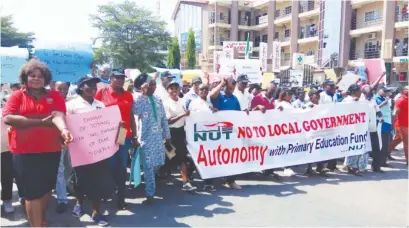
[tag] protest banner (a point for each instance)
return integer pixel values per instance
(276, 57)
(235, 67)
(231, 142)
(263, 56)
(94, 135)
(12, 59)
(240, 46)
(67, 62)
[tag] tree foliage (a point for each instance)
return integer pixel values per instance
(131, 35)
(10, 36)
(191, 50)
(173, 60)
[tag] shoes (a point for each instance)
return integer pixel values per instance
(100, 220)
(61, 208)
(209, 188)
(8, 206)
(122, 206)
(188, 187)
(148, 201)
(289, 172)
(78, 211)
(233, 185)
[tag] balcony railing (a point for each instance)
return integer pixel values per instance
(401, 50)
(244, 21)
(284, 38)
(218, 41)
(224, 20)
(283, 12)
(261, 20)
(368, 23)
(285, 59)
(308, 6)
(307, 32)
(367, 53)
(401, 17)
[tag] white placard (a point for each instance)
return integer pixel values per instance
(276, 57)
(296, 77)
(263, 56)
(235, 67)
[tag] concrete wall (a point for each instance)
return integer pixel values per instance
(374, 6)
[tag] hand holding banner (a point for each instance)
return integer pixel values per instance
(94, 135)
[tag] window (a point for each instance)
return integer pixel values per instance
(257, 41)
(276, 35)
(287, 33)
(221, 16)
(264, 38)
(287, 10)
(372, 16)
(372, 49)
(277, 13)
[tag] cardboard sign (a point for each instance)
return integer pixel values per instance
(12, 59)
(94, 135)
(235, 67)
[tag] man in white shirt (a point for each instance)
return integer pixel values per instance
(328, 96)
(202, 102)
(242, 93)
(301, 102)
(373, 112)
(166, 77)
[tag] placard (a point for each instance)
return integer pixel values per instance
(12, 59)
(94, 135)
(235, 67)
(67, 61)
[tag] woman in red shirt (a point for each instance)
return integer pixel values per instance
(36, 117)
(115, 94)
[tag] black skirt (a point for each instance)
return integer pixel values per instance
(36, 173)
(178, 138)
(96, 181)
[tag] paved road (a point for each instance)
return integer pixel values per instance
(340, 200)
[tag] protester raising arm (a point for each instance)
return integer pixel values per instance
(215, 91)
(376, 82)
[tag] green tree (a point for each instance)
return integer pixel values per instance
(10, 36)
(131, 35)
(191, 50)
(173, 60)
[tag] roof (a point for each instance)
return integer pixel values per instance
(187, 2)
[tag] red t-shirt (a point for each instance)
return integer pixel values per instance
(124, 101)
(37, 139)
(261, 99)
(402, 117)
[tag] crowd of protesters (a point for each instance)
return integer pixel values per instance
(35, 136)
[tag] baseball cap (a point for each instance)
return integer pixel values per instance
(243, 78)
(118, 73)
(166, 74)
(329, 82)
(85, 79)
(313, 91)
(173, 82)
(196, 79)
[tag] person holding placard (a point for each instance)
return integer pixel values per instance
(153, 129)
(38, 129)
(94, 180)
(115, 94)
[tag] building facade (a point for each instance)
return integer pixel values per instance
(326, 31)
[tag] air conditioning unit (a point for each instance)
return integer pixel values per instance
(372, 35)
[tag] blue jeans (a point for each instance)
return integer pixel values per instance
(119, 163)
(60, 186)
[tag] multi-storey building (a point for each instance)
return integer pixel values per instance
(324, 30)
(376, 29)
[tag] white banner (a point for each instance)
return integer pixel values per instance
(263, 56)
(228, 53)
(235, 67)
(276, 57)
(216, 60)
(231, 142)
(240, 46)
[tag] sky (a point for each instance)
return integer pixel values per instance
(67, 20)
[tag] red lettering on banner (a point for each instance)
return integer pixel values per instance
(242, 132)
(201, 157)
